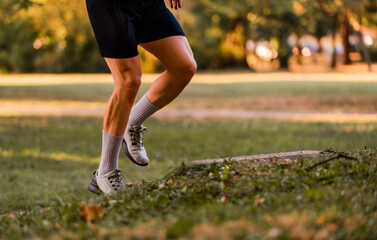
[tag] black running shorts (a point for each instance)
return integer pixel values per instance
(120, 25)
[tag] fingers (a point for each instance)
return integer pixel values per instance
(175, 4)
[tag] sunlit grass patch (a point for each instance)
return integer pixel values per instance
(366, 128)
(62, 104)
(53, 79)
(57, 156)
(6, 154)
(201, 78)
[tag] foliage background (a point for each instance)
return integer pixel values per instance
(56, 36)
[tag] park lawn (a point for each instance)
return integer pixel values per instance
(48, 158)
(100, 91)
(47, 162)
(277, 200)
(295, 95)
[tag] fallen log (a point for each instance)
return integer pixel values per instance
(263, 158)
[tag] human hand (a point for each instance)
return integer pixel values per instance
(175, 3)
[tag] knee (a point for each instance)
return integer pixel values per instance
(189, 68)
(184, 71)
(129, 82)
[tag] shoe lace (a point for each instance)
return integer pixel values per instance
(117, 180)
(137, 133)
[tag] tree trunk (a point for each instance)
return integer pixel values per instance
(334, 27)
(284, 52)
(364, 48)
(346, 34)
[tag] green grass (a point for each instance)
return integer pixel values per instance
(279, 200)
(41, 157)
(295, 96)
(47, 162)
(101, 92)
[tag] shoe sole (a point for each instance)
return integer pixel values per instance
(93, 187)
(125, 149)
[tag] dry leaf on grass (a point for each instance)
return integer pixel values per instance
(90, 212)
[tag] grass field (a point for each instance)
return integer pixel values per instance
(100, 92)
(46, 163)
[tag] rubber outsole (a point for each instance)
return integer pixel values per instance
(125, 149)
(93, 187)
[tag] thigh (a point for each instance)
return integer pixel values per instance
(173, 51)
(125, 70)
(157, 22)
(113, 28)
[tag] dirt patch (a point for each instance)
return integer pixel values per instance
(200, 78)
(295, 116)
(333, 104)
(81, 110)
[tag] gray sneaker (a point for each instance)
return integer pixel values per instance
(133, 145)
(93, 187)
(111, 182)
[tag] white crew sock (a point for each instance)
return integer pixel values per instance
(110, 153)
(142, 111)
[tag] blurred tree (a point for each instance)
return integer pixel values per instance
(65, 40)
(370, 19)
(56, 36)
(337, 12)
(274, 19)
(17, 34)
(233, 22)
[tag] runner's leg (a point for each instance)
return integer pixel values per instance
(127, 75)
(127, 79)
(176, 55)
(113, 24)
